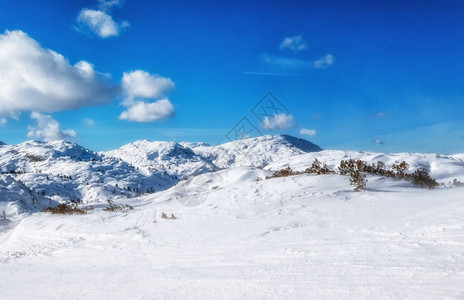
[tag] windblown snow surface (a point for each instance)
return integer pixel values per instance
(235, 235)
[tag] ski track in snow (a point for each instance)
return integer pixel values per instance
(298, 237)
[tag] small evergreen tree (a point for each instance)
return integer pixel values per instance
(400, 169)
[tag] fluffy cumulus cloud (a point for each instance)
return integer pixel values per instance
(139, 86)
(33, 78)
(148, 112)
(295, 43)
(2, 121)
(378, 142)
(310, 132)
(48, 129)
(324, 62)
(278, 122)
(100, 23)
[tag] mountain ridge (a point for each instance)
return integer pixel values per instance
(62, 171)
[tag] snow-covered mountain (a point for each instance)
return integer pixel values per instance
(169, 158)
(64, 171)
(255, 152)
(218, 227)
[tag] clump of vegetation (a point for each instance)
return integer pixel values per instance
(165, 216)
(318, 168)
(34, 158)
(458, 183)
(283, 173)
(421, 178)
(357, 171)
(347, 167)
(400, 169)
(113, 207)
(88, 208)
(66, 209)
(358, 180)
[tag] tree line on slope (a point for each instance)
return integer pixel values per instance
(357, 170)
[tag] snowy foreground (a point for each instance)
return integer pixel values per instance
(237, 235)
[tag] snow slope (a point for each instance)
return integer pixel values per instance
(233, 234)
(16, 197)
(444, 168)
(299, 237)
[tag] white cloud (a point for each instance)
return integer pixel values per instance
(381, 115)
(310, 132)
(2, 121)
(48, 129)
(378, 142)
(140, 111)
(278, 122)
(88, 122)
(285, 62)
(33, 78)
(100, 23)
(324, 62)
(295, 43)
(141, 84)
(108, 4)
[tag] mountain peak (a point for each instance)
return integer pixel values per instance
(256, 151)
(278, 140)
(57, 148)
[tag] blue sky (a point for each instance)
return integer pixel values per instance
(364, 75)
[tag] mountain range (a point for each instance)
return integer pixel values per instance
(35, 175)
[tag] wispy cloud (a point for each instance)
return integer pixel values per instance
(294, 43)
(269, 74)
(88, 122)
(278, 122)
(295, 63)
(286, 62)
(48, 129)
(310, 132)
(324, 62)
(378, 142)
(381, 115)
(108, 4)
